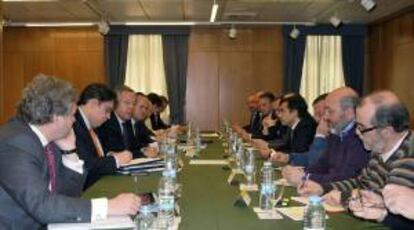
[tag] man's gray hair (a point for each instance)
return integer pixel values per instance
(350, 101)
(45, 97)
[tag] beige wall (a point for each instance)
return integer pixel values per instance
(222, 72)
(390, 57)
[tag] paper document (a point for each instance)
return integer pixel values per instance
(114, 222)
(294, 213)
(208, 162)
(209, 135)
(328, 207)
(141, 161)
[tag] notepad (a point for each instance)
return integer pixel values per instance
(138, 161)
(208, 162)
(294, 213)
(283, 182)
(328, 207)
(209, 135)
(113, 222)
(267, 214)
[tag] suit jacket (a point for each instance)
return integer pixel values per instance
(299, 140)
(110, 135)
(143, 134)
(157, 123)
(255, 125)
(95, 165)
(26, 202)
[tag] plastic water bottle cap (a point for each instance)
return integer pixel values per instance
(315, 200)
(145, 209)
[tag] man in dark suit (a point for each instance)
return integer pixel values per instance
(302, 127)
(253, 105)
(141, 112)
(96, 103)
(35, 187)
(293, 112)
(117, 133)
(157, 108)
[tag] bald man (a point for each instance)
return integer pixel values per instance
(344, 156)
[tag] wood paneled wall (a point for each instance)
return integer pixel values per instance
(74, 54)
(223, 72)
(391, 57)
(2, 93)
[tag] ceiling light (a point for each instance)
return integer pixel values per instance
(214, 10)
(232, 32)
(51, 24)
(294, 33)
(103, 27)
(335, 21)
(368, 4)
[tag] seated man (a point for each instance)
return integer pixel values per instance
(254, 122)
(272, 126)
(157, 108)
(141, 113)
(344, 156)
(319, 142)
(294, 114)
(117, 133)
(383, 126)
(95, 107)
(34, 172)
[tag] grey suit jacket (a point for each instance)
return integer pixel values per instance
(25, 200)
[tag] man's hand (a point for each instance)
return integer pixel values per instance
(333, 198)
(280, 157)
(398, 200)
(293, 175)
(150, 152)
(309, 188)
(323, 128)
(123, 157)
(124, 204)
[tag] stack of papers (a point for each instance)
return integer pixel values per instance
(267, 214)
(209, 135)
(294, 213)
(328, 207)
(115, 222)
(143, 165)
(208, 162)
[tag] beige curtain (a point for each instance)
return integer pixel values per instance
(322, 67)
(145, 66)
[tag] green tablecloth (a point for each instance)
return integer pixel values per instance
(207, 200)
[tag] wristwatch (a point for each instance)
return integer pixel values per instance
(70, 151)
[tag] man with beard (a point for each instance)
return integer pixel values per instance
(345, 155)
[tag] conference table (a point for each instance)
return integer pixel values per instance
(207, 200)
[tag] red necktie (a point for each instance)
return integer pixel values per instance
(51, 165)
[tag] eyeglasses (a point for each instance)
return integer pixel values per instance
(363, 130)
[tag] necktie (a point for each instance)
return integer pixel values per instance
(127, 134)
(51, 165)
(97, 143)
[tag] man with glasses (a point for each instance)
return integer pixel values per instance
(383, 126)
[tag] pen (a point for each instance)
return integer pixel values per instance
(304, 180)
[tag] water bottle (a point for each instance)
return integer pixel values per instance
(314, 216)
(267, 186)
(240, 157)
(166, 200)
(171, 157)
(145, 220)
(250, 167)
